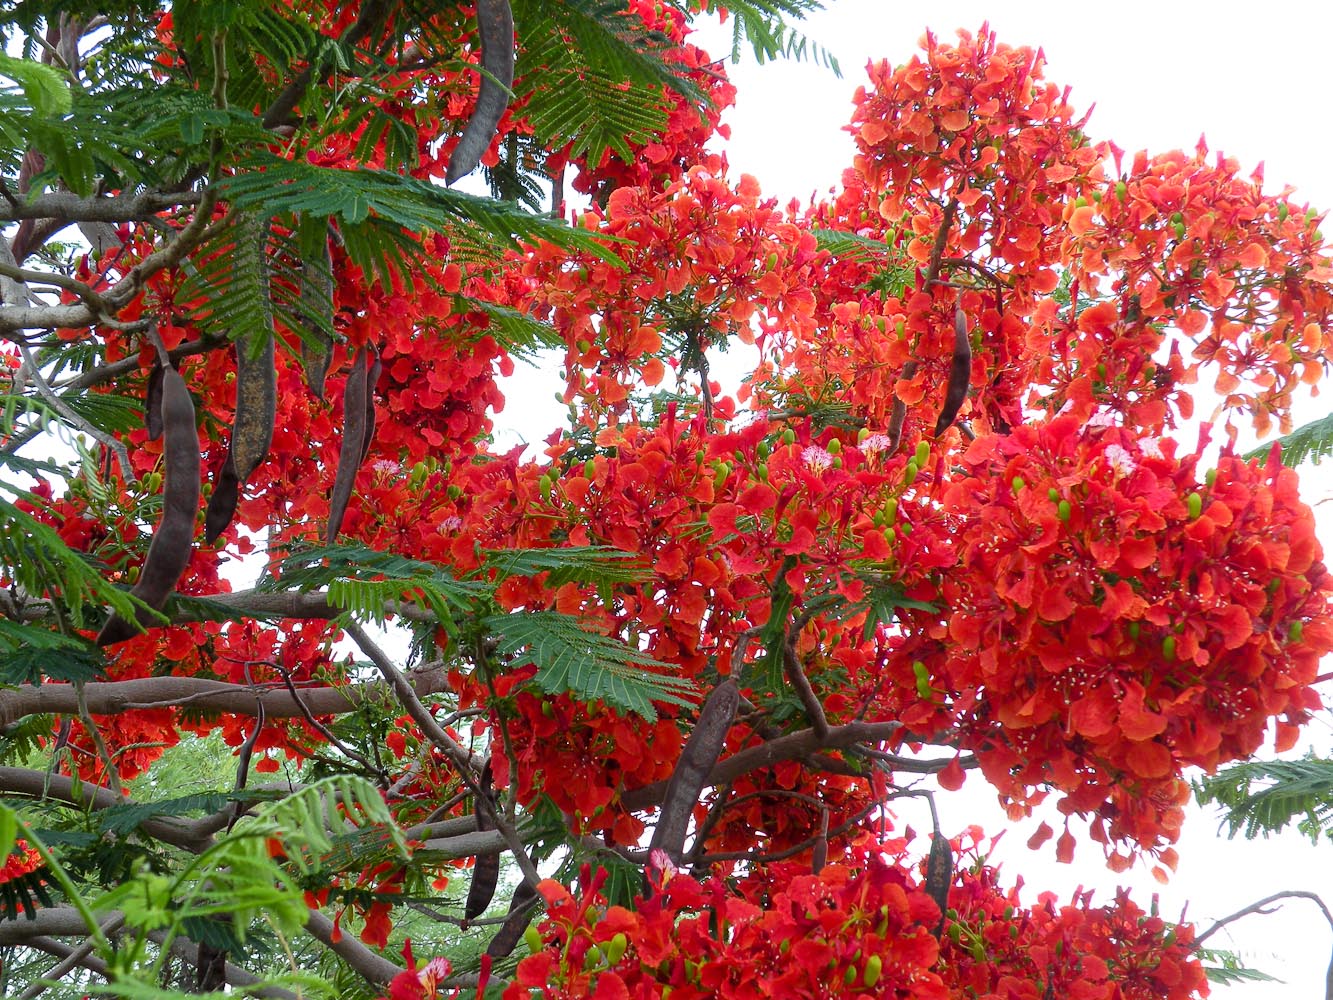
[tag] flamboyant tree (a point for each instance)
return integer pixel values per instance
(694, 657)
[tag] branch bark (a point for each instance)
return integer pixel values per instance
(116, 697)
(794, 746)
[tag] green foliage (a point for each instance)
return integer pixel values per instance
(589, 665)
(1310, 442)
(366, 581)
(1230, 970)
(53, 656)
(37, 562)
(1262, 798)
(765, 25)
(582, 54)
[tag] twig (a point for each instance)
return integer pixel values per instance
(461, 758)
(75, 958)
(58, 404)
(814, 711)
(1259, 908)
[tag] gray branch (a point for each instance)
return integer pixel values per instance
(116, 208)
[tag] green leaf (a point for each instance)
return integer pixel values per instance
(1262, 798)
(1310, 442)
(596, 564)
(589, 665)
(29, 664)
(44, 87)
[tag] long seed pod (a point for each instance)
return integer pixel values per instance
(486, 870)
(521, 911)
(169, 551)
(317, 310)
(960, 373)
(696, 763)
(495, 24)
(256, 386)
(899, 412)
(152, 402)
(939, 875)
(372, 380)
(353, 444)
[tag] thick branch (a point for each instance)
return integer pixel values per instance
(115, 697)
(375, 969)
(795, 746)
(117, 208)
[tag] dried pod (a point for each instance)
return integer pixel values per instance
(696, 763)
(960, 373)
(939, 874)
(486, 870)
(899, 413)
(256, 386)
(152, 402)
(317, 310)
(495, 24)
(372, 380)
(173, 541)
(511, 931)
(353, 443)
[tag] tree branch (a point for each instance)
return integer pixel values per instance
(1259, 908)
(71, 208)
(794, 746)
(116, 697)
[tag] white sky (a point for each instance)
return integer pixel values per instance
(1253, 79)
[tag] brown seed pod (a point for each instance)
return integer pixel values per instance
(169, 551)
(960, 373)
(353, 443)
(372, 380)
(152, 402)
(939, 875)
(317, 309)
(495, 24)
(256, 385)
(521, 912)
(696, 763)
(899, 413)
(486, 870)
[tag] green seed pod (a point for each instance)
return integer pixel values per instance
(874, 966)
(533, 939)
